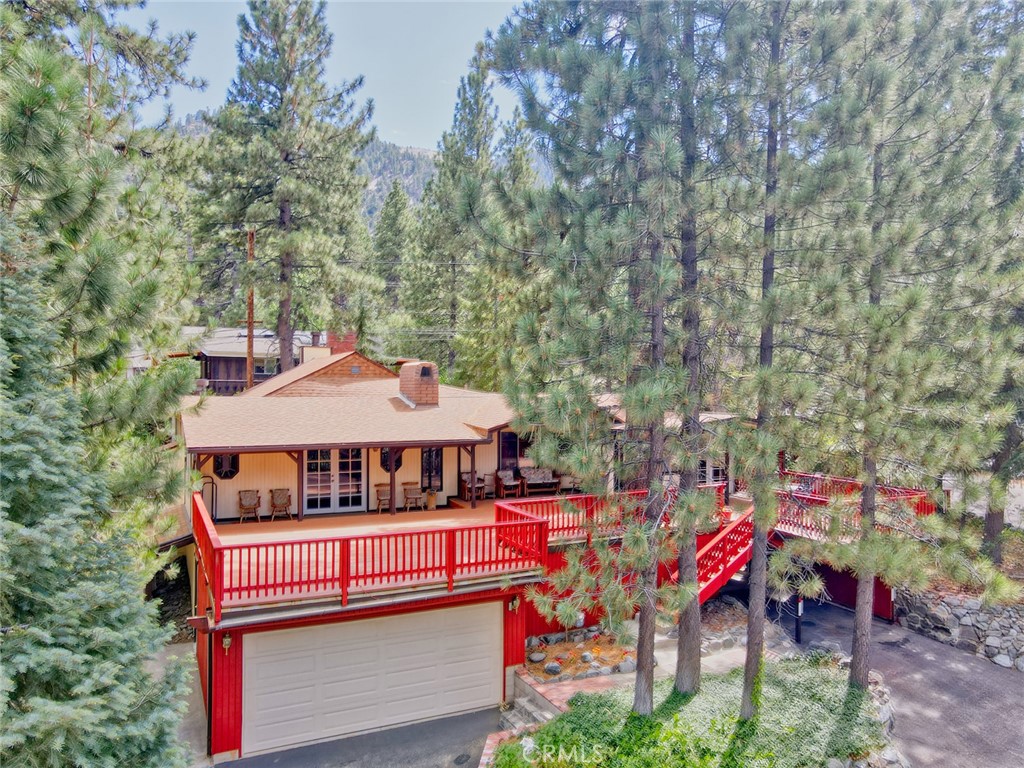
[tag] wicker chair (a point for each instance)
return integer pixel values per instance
(249, 503)
(413, 495)
(280, 503)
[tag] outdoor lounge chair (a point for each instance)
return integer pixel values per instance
(507, 484)
(280, 503)
(540, 480)
(249, 503)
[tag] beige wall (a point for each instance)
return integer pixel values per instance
(256, 471)
(263, 471)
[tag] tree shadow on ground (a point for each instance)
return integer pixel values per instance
(839, 738)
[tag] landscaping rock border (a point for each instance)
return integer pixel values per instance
(993, 632)
(889, 755)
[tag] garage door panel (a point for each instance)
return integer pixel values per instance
(317, 683)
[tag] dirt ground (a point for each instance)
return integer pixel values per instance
(604, 649)
(716, 616)
(175, 602)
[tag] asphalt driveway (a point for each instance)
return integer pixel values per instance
(447, 743)
(953, 709)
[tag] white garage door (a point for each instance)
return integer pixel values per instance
(315, 683)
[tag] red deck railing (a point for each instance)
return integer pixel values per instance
(805, 497)
(828, 486)
(721, 558)
(280, 571)
(581, 516)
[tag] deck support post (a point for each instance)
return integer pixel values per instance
(391, 480)
(472, 477)
(296, 456)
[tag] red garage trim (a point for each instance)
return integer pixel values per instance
(226, 712)
(842, 589)
(515, 633)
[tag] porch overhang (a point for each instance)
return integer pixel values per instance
(205, 450)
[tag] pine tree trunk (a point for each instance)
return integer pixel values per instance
(285, 331)
(995, 514)
(995, 522)
(688, 643)
(643, 694)
(863, 610)
(756, 598)
(866, 580)
(643, 697)
(758, 569)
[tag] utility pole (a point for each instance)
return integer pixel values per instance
(249, 319)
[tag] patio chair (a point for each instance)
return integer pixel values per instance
(507, 484)
(466, 488)
(413, 495)
(280, 503)
(249, 503)
(383, 495)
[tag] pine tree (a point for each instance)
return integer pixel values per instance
(78, 171)
(500, 285)
(392, 240)
(434, 274)
(778, 66)
(599, 84)
(78, 634)
(908, 363)
(281, 160)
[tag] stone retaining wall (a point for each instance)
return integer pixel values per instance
(992, 632)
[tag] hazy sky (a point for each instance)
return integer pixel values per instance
(410, 53)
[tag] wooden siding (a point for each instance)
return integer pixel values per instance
(256, 471)
(329, 379)
(226, 734)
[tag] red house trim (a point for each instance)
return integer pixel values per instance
(227, 669)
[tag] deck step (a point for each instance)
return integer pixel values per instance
(524, 714)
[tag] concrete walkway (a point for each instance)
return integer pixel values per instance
(953, 709)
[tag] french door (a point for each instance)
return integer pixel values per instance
(335, 480)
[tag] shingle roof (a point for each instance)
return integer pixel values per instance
(364, 413)
(231, 342)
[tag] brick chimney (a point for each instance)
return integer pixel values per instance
(417, 383)
(345, 344)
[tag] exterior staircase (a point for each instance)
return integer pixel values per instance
(722, 557)
(529, 708)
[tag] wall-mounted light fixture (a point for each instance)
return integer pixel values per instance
(226, 642)
(513, 605)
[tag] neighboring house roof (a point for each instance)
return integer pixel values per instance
(230, 342)
(323, 403)
(613, 404)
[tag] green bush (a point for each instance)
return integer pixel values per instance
(808, 715)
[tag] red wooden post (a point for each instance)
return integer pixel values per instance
(544, 544)
(343, 569)
(218, 583)
(472, 477)
(450, 557)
